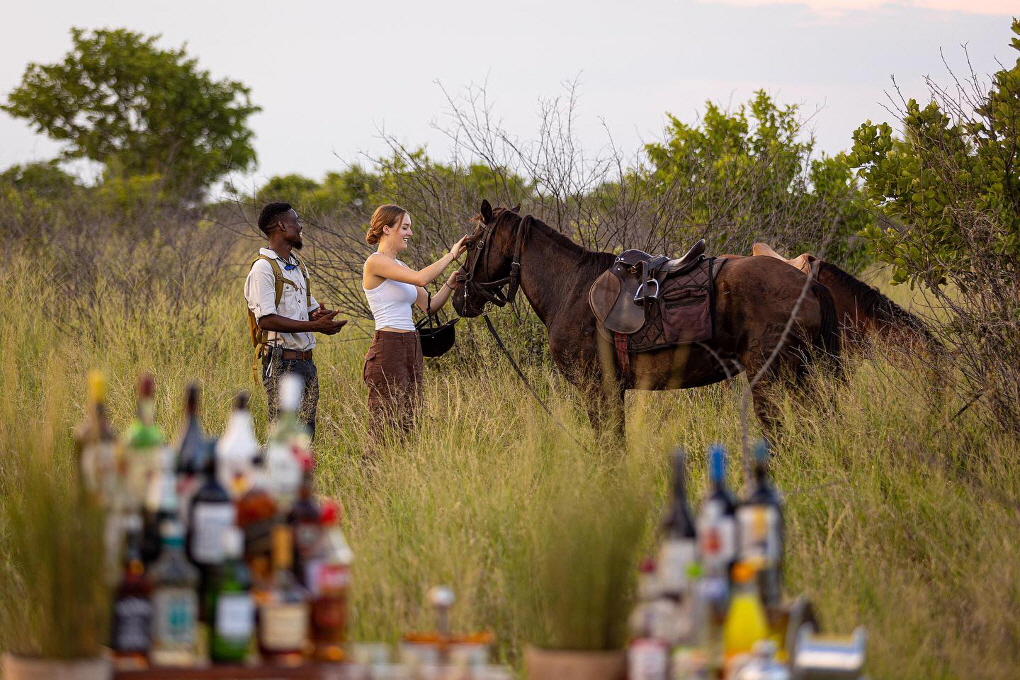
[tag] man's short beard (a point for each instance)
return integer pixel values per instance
(297, 245)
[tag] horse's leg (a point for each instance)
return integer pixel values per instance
(612, 416)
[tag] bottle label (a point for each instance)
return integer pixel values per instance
(675, 558)
(175, 611)
(99, 471)
(759, 533)
(210, 522)
(283, 627)
(132, 624)
(306, 537)
(647, 660)
(235, 616)
(717, 539)
(323, 577)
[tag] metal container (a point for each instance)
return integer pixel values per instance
(828, 657)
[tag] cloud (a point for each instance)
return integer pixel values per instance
(841, 7)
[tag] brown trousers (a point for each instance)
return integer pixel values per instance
(393, 372)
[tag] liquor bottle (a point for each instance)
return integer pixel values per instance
(717, 534)
(283, 611)
(212, 514)
(96, 445)
(131, 634)
(288, 445)
(647, 655)
(192, 451)
(144, 444)
(161, 505)
(329, 579)
(236, 449)
(305, 520)
(175, 603)
(101, 471)
(256, 516)
(760, 520)
(745, 621)
(679, 548)
(231, 603)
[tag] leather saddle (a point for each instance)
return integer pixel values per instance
(618, 298)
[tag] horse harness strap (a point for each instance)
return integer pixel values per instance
(493, 290)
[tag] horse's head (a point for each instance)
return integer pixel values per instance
(488, 266)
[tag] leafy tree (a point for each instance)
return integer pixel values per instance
(950, 172)
(44, 178)
(119, 99)
(751, 174)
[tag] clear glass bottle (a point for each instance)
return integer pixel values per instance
(96, 445)
(231, 603)
(288, 445)
(236, 449)
(131, 629)
(161, 505)
(175, 603)
(283, 608)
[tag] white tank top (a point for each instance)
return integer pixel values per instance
(391, 302)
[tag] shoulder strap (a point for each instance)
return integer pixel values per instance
(279, 279)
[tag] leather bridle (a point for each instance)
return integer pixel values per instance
(492, 291)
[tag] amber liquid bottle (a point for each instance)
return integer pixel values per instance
(283, 611)
(329, 579)
(256, 517)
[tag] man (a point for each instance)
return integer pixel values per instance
(289, 325)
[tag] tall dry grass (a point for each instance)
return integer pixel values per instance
(900, 517)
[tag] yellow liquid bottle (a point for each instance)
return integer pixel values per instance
(745, 620)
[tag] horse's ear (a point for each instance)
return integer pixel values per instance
(486, 211)
(516, 209)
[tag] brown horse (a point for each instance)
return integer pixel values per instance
(862, 311)
(769, 319)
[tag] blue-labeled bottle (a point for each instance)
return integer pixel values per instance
(174, 603)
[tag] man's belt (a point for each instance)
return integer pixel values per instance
(291, 355)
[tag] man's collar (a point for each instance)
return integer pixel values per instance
(269, 252)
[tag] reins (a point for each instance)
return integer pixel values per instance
(493, 292)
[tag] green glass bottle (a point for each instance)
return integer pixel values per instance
(233, 618)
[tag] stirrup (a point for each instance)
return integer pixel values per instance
(640, 299)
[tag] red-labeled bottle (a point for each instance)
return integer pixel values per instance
(328, 574)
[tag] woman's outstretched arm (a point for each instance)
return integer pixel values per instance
(387, 268)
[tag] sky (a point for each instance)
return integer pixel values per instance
(333, 76)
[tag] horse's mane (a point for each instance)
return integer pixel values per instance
(872, 302)
(598, 261)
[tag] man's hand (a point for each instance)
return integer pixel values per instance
(318, 313)
(323, 322)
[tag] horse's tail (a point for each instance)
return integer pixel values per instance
(827, 340)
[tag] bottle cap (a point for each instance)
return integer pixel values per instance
(744, 571)
(717, 462)
(647, 566)
(96, 387)
(233, 542)
(331, 513)
(761, 451)
(171, 529)
(191, 399)
(241, 401)
(145, 385)
(291, 385)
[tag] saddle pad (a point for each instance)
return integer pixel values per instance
(683, 313)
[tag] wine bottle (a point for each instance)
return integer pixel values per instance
(679, 548)
(233, 618)
(192, 451)
(161, 505)
(283, 611)
(175, 603)
(212, 514)
(256, 516)
(717, 534)
(760, 520)
(236, 449)
(131, 634)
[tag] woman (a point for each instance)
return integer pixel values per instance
(393, 365)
